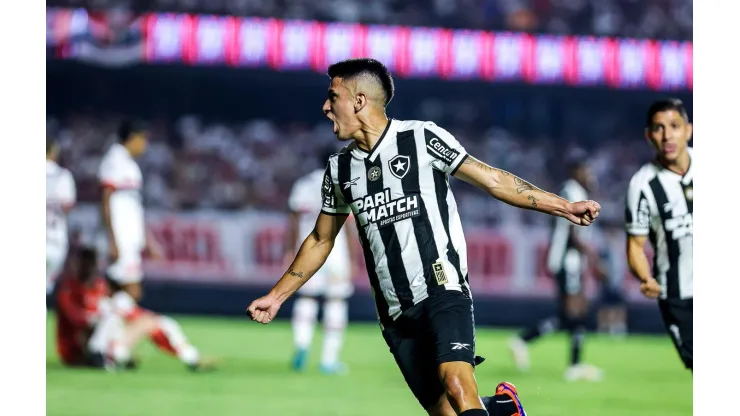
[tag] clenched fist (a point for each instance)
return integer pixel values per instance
(264, 309)
(583, 212)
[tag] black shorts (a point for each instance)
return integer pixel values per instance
(437, 330)
(569, 283)
(678, 317)
(611, 296)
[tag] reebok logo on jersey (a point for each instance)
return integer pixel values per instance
(460, 346)
(380, 208)
(350, 183)
(442, 151)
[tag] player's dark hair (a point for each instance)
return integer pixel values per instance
(88, 263)
(576, 159)
(365, 66)
(671, 104)
(128, 128)
(51, 144)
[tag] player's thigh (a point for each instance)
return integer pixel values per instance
(127, 269)
(415, 356)
(570, 292)
(316, 285)
(678, 318)
(339, 286)
(451, 327)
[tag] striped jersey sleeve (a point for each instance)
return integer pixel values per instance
(637, 210)
(332, 200)
(446, 152)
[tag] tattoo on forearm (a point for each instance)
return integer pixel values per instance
(295, 274)
(522, 185)
(533, 200)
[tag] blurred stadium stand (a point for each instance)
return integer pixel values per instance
(658, 19)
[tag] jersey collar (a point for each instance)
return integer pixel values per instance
(390, 130)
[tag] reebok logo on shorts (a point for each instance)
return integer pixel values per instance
(460, 346)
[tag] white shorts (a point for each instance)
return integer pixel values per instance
(331, 281)
(127, 269)
(56, 255)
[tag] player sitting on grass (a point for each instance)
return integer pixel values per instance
(83, 297)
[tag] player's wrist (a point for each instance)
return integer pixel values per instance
(278, 296)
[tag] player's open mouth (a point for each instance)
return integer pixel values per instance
(335, 127)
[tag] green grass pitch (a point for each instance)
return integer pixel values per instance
(643, 377)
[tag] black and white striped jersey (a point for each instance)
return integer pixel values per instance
(660, 204)
(562, 256)
(405, 212)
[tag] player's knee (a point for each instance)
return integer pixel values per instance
(458, 382)
(575, 306)
(335, 314)
(134, 290)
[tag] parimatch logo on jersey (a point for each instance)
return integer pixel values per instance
(382, 210)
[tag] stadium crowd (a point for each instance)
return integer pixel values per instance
(660, 19)
(194, 164)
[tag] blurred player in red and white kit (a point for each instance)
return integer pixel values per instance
(123, 214)
(333, 281)
(60, 198)
(123, 217)
(81, 298)
(82, 306)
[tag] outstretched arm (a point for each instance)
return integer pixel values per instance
(311, 256)
(515, 191)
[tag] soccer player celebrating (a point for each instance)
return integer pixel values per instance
(660, 206)
(333, 281)
(60, 198)
(394, 178)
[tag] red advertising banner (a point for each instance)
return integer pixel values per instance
(413, 52)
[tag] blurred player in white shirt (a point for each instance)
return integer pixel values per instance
(333, 281)
(60, 198)
(122, 210)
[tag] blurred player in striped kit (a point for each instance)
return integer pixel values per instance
(569, 251)
(333, 282)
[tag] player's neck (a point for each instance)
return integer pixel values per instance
(680, 166)
(371, 131)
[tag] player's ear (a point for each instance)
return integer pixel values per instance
(690, 134)
(360, 101)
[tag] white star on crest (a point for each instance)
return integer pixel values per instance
(399, 166)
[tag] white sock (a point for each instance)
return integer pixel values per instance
(186, 352)
(305, 311)
(123, 304)
(121, 354)
(106, 334)
(335, 321)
